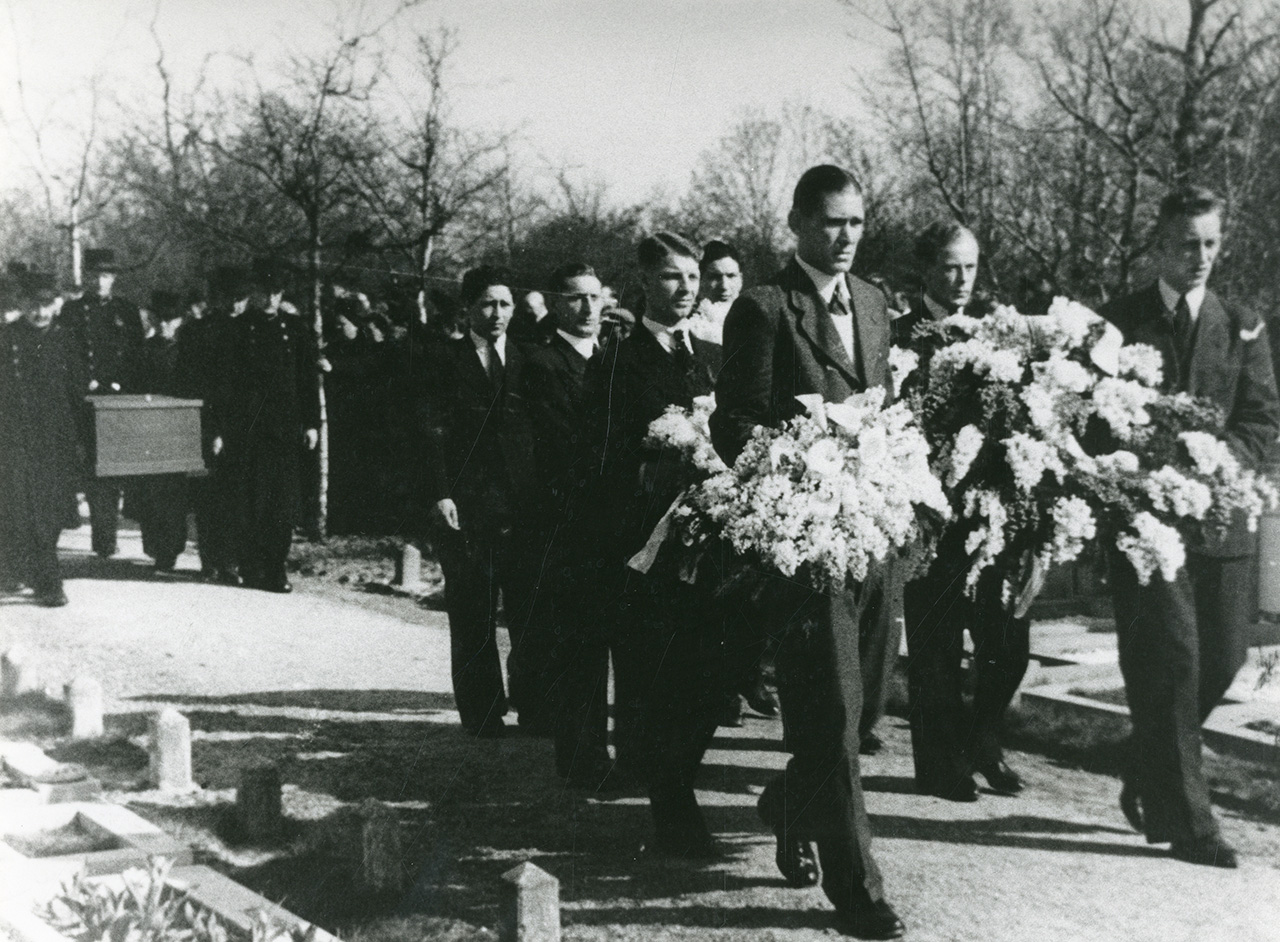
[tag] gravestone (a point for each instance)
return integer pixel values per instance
(529, 908)
(84, 700)
(409, 568)
(17, 674)
(258, 803)
(381, 869)
(171, 751)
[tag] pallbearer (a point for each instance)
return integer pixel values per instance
(40, 399)
(949, 740)
(107, 334)
(265, 412)
(1182, 642)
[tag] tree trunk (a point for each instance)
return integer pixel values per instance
(317, 327)
(77, 248)
(424, 282)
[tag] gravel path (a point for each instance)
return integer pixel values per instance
(353, 692)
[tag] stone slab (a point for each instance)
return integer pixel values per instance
(235, 904)
(137, 838)
(36, 771)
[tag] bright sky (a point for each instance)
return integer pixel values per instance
(626, 91)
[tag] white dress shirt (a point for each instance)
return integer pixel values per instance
(1195, 298)
(829, 286)
(670, 334)
(585, 346)
(482, 349)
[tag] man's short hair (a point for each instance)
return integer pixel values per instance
(478, 279)
(657, 248)
(939, 236)
(818, 182)
(1187, 202)
(561, 277)
(715, 250)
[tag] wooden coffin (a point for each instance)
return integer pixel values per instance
(146, 434)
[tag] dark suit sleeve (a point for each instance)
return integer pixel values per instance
(1254, 423)
(744, 390)
(433, 411)
(308, 375)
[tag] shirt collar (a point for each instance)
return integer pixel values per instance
(826, 284)
(482, 344)
(585, 346)
(1195, 298)
(666, 334)
(939, 311)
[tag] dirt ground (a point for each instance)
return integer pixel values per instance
(346, 688)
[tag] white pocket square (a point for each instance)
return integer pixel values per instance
(1247, 335)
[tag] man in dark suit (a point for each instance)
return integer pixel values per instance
(666, 636)
(265, 412)
(1182, 642)
(478, 466)
(555, 391)
(810, 329)
(106, 334)
(948, 740)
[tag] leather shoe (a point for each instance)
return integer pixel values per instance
(795, 858)
(760, 698)
(1206, 851)
(962, 789)
(870, 745)
(1131, 805)
(873, 921)
(55, 599)
(1001, 778)
(284, 587)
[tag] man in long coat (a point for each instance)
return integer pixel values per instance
(265, 412)
(40, 400)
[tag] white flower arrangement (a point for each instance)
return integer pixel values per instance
(824, 496)
(688, 432)
(1006, 401)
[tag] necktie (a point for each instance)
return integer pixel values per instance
(838, 308)
(684, 359)
(495, 365)
(1184, 330)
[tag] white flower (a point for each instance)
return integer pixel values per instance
(968, 443)
(1061, 373)
(1073, 319)
(902, 363)
(1173, 492)
(1073, 527)
(1152, 546)
(824, 458)
(1030, 459)
(1122, 404)
(1125, 462)
(1143, 363)
(1209, 453)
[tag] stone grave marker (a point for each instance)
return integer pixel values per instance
(84, 700)
(171, 751)
(258, 803)
(529, 908)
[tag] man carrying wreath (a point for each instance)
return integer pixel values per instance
(815, 329)
(1182, 642)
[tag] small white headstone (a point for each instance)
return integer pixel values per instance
(84, 700)
(17, 673)
(409, 568)
(529, 907)
(171, 751)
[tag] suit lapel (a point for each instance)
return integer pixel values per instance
(814, 323)
(1210, 348)
(872, 331)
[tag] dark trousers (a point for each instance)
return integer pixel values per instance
(1181, 644)
(30, 552)
(532, 609)
(819, 796)
(578, 679)
(478, 567)
(879, 646)
(163, 503)
(263, 551)
(103, 497)
(215, 522)
(948, 739)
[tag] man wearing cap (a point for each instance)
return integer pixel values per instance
(265, 412)
(40, 396)
(106, 334)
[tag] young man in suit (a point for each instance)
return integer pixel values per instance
(1182, 642)
(813, 328)
(666, 636)
(478, 465)
(555, 390)
(948, 741)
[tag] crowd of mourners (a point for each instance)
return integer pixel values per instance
(520, 453)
